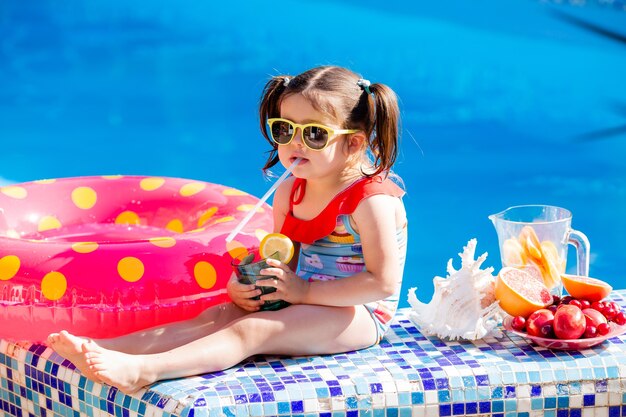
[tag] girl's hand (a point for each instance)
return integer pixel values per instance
(289, 286)
(242, 294)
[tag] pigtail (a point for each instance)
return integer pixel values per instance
(270, 107)
(384, 140)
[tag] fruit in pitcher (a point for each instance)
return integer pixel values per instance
(528, 251)
(513, 253)
(569, 322)
(585, 288)
(540, 323)
(519, 293)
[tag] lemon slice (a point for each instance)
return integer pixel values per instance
(278, 246)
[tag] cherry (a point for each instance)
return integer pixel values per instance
(598, 305)
(553, 308)
(546, 331)
(585, 303)
(609, 312)
(603, 329)
(590, 331)
(576, 303)
(566, 299)
(556, 300)
(620, 318)
(518, 323)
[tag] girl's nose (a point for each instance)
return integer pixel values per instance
(297, 138)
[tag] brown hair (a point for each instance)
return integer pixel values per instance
(334, 91)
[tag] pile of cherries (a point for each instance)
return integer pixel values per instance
(571, 318)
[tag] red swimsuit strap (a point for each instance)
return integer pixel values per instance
(308, 231)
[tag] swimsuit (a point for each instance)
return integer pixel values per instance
(331, 248)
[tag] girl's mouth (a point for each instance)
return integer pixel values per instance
(302, 160)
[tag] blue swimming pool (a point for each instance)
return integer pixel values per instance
(523, 103)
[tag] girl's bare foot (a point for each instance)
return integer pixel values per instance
(124, 371)
(71, 348)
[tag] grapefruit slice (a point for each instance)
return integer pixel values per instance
(587, 288)
(278, 246)
(519, 293)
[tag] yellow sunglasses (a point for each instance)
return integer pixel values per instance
(314, 135)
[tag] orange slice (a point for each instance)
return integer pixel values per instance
(519, 293)
(278, 246)
(587, 288)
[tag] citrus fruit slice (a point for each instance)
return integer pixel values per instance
(587, 288)
(519, 293)
(529, 241)
(278, 246)
(513, 253)
(534, 271)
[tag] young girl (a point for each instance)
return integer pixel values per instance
(345, 215)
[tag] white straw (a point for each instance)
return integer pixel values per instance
(267, 195)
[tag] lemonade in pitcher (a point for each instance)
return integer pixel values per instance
(535, 238)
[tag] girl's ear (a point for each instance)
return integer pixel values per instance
(356, 142)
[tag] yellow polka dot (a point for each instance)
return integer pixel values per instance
(127, 217)
(205, 274)
(163, 242)
(48, 223)
(260, 234)
(175, 226)
(9, 265)
(192, 188)
(224, 219)
(130, 269)
(206, 216)
(53, 285)
(235, 248)
(84, 247)
(14, 191)
(151, 184)
(233, 191)
(249, 207)
(84, 197)
(112, 177)
(46, 181)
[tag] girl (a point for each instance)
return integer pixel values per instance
(346, 218)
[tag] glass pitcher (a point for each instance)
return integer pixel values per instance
(536, 237)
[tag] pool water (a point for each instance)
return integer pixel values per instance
(523, 103)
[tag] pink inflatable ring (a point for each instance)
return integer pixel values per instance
(106, 256)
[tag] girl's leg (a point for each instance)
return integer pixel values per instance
(153, 340)
(172, 335)
(295, 330)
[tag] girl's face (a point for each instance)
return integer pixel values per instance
(329, 161)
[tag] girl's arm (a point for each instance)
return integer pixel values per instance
(280, 209)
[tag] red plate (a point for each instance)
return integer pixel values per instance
(565, 344)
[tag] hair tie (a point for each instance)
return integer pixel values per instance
(286, 81)
(364, 84)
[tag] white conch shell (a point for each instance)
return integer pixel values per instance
(463, 304)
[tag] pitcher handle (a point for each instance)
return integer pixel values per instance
(581, 243)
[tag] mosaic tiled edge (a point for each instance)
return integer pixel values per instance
(408, 374)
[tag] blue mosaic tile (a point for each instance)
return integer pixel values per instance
(400, 377)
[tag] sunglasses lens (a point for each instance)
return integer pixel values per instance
(282, 131)
(315, 137)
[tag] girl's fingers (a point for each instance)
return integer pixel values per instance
(268, 282)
